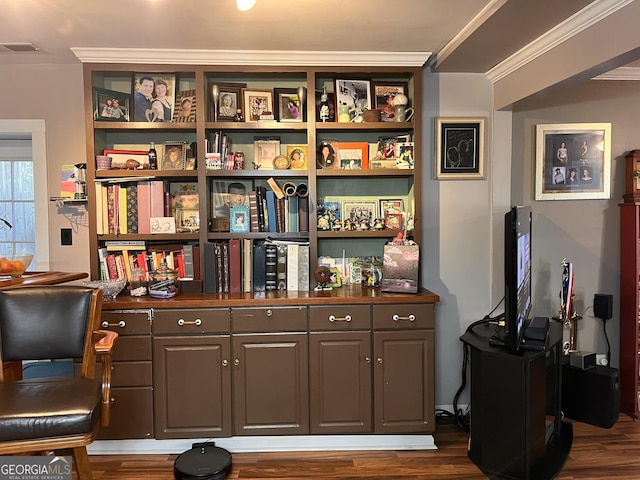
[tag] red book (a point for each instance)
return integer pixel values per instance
(157, 198)
(112, 267)
(144, 206)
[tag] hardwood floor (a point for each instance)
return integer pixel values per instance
(596, 454)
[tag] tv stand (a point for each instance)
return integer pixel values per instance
(516, 428)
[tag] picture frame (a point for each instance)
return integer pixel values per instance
(240, 222)
(298, 156)
(110, 105)
(175, 155)
(148, 107)
(327, 155)
(265, 150)
(460, 148)
(331, 100)
(122, 159)
(353, 93)
(357, 212)
(383, 95)
(186, 106)
(573, 161)
(391, 205)
(284, 112)
(229, 100)
(224, 195)
(393, 221)
(187, 220)
(353, 156)
(256, 102)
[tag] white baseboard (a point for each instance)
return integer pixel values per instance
(268, 444)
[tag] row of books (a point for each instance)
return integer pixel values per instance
(270, 211)
(118, 259)
(247, 265)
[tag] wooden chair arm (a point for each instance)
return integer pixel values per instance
(103, 341)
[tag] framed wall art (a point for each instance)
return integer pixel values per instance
(256, 103)
(460, 148)
(573, 161)
(110, 106)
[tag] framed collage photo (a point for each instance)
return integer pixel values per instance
(460, 148)
(573, 161)
(287, 105)
(110, 106)
(256, 103)
(154, 97)
(354, 93)
(383, 95)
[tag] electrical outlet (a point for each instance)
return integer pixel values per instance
(601, 359)
(66, 236)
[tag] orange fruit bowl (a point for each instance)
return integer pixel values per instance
(14, 266)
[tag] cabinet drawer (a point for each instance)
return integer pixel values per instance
(125, 374)
(403, 316)
(131, 414)
(269, 319)
(131, 349)
(127, 322)
(191, 321)
(340, 317)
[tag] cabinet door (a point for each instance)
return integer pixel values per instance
(340, 382)
(403, 381)
(131, 414)
(192, 381)
(270, 384)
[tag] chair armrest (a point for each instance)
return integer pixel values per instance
(103, 343)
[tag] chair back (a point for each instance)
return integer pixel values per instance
(48, 322)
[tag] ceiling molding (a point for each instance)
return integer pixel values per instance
(577, 23)
(249, 57)
(620, 73)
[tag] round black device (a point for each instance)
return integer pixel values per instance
(204, 462)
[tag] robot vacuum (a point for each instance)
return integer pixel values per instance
(204, 461)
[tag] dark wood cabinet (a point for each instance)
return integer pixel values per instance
(192, 373)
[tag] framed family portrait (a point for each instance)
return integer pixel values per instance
(110, 106)
(257, 102)
(154, 97)
(383, 95)
(287, 106)
(354, 93)
(229, 101)
(573, 161)
(460, 148)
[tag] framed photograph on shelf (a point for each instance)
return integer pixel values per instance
(404, 155)
(239, 219)
(393, 221)
(175, 155)
(353, 155)
(187, 220)
(391, 205)
(354, 93)
(256, 103)
(287, 105)
(331, 101)
(265, 150)
(297, 155)
(154, 97)
(383, 95)
(229, 100)
(327, 155)
(358, 212)
(460, 148)
(224, 195)
(573, 161)
(185, 110)
(110, 106)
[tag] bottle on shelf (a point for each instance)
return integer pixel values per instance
(153, 157)
(324, 105)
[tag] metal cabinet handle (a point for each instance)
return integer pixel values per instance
(236, 362)
(120, 324)
(333, 318)
(367, 359)
(397, 318)
(197, 322)
(225, 362)
(380, 360)
(269, 313)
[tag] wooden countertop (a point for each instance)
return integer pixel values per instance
(42, 278)
(348, 294)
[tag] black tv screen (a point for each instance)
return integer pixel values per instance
(517, 274)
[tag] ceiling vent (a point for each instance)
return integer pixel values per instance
(19, 47)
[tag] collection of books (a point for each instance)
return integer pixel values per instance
(247, 265)
(272, 211)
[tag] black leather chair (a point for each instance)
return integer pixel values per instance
(53, 413)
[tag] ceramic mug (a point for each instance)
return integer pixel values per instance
(344, 115)
(403, 114)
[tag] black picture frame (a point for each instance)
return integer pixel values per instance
(282, 97)
(460, 148)
(226, 90)
(103, 99)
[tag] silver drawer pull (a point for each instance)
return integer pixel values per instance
(333, 318)
(225, 362)
(197, 322)
(397, 318)
(269, 313)
(120, 324)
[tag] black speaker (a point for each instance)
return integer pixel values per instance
(591, 396)
(603, 306)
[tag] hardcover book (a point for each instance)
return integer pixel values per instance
(271, 266)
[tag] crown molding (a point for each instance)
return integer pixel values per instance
(620, 73)
(249, 57)
(577, 23)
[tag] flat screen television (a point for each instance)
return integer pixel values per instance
(517, 275)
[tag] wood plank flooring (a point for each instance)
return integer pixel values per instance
(596, 454)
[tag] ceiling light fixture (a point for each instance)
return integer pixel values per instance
(244, 5)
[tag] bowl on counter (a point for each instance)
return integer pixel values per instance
(110, 288)
(15, 266)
